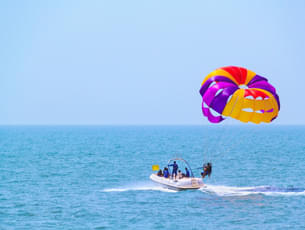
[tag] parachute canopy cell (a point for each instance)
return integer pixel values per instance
(238, 93)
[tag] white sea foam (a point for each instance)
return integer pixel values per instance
(221, 190)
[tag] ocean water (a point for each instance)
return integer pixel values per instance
(97, 177)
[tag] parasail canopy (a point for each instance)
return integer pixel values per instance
(238, 93)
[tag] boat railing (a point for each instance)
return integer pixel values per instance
(181, 159)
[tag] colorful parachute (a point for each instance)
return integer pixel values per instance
(238, 93)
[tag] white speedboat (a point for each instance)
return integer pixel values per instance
(178, 184)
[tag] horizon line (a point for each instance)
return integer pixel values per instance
(240, 124)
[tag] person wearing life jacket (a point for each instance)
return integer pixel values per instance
(187, 173)
(165, 172)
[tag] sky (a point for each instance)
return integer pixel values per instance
(141, 62)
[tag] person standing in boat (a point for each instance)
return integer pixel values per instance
(175, 169)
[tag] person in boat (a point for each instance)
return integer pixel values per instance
(187, 173)
(175, 169)
(180, 175)
(165, 172)
(160, 173)
(207, 170)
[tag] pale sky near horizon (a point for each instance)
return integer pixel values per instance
(142, 62)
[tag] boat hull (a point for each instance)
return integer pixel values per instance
(179, 184)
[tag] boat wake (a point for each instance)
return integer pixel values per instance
(139, 187)
(220, 190)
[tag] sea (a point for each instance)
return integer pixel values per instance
(97, 177)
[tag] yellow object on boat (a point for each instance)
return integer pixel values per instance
(155, 167)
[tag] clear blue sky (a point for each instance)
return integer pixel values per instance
(142, 62)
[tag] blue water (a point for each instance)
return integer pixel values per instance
(95, 177)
